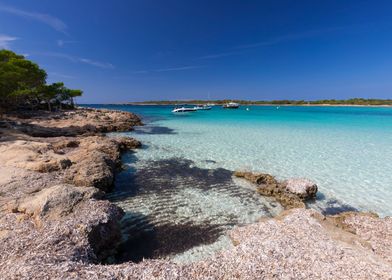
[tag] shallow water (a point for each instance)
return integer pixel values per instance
(346, 150)
(177, 210)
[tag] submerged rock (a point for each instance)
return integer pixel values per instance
(257, 178)
(291, 193)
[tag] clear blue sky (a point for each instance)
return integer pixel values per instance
(146, 50)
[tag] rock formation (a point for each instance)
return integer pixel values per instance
(302, 187)
(291, 193)
(54, 168)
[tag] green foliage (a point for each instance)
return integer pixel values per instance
(23, 85)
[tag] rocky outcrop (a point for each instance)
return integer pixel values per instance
(49, 187)
(97, 171)
(31, 155)
(71, 122)
(257, 178)
(302, 187)
(95, 160)
(126, 143)
(53, 202)
(89, 233)
(291, 193)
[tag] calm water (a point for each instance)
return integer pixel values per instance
(346, 150)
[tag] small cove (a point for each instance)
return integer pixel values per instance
(182, 212)
(178, 192)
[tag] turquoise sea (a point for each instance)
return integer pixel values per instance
(346, 150)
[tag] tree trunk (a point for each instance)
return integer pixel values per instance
(49, 106)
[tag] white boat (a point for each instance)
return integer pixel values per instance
(202, 107)
(231, 105)
(183, 110)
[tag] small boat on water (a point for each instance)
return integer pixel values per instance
(183, 110)
(231, 105)
(202, 107)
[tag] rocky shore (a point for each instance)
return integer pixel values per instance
(55, 168)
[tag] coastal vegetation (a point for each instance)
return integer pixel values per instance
(348, 102)
(23, 86)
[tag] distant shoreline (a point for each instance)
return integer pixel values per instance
(252, 104)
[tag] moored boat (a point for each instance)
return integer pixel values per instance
(202, 107)
(183, 110)
(231, 105)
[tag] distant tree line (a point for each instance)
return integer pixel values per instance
(352, 101)
(23, 86)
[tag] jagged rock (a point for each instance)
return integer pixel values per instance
(256, 178)
(73, 122)
(278, 191)
(54, 202)
(95, 170)
(94, 162)
(302, 187)
(43, 219)
(64, 144)
(65, 163)
(128, 143)
(291, 193)
(46, 166)
(105, 235)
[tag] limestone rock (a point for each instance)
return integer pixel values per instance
(96, 170)
(128, 143)
(280, 193)
(54, 202)
(65, 163)
(291, 193)
(32, 155)
(302, 187)
(256, 178)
